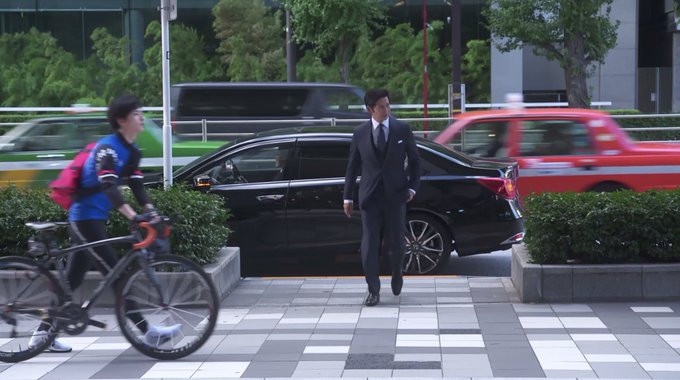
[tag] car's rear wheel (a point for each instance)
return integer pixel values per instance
(428, 245)
(608, 187)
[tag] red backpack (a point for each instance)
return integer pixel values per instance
(66, 188)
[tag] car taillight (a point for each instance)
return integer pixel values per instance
(505, 187)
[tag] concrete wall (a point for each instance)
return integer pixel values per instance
(541, 74)
(506, 74)
(616, 79)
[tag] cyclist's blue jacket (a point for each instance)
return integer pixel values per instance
(111, 161)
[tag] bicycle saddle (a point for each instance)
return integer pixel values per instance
(44, 226)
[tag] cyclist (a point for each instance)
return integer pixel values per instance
(115, 157)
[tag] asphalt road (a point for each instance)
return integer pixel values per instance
(495, 264)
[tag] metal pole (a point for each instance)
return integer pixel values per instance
(167, 129)
(290, 50)
(456, 18)
(425, 64)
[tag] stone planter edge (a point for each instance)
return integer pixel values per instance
(569, 283)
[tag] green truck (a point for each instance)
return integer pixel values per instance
(33, 153)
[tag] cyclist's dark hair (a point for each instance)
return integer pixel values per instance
(120, 107)
(373, 95)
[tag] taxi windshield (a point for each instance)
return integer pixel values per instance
(9, 139)
(157, 131)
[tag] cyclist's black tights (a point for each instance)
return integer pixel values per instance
(103, 257)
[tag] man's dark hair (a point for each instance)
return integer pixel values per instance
(373, 95)
(120, 107)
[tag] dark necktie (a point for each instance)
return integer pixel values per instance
(381, 143)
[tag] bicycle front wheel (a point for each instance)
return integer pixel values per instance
(29, 294)
(169, 309)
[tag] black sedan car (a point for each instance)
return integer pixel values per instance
(284, 190)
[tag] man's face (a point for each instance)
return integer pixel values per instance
(134, 122)
(381, 111)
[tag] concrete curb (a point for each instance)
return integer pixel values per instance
(592, 282)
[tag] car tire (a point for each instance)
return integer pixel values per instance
(428, 245)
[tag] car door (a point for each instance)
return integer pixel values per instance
(253, 181)
(317, 224)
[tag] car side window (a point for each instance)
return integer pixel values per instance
(242, 102)
(323, 160)
(555, 138)
(483, 139)
(90, 131)
(344, 100)
(52, 135)
(255, 165)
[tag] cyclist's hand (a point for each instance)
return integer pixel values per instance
(151, 217)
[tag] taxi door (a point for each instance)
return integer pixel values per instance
(554, 155)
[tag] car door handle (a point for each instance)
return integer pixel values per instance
(49, 156)
(269, 198)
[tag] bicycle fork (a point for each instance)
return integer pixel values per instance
(152, 276)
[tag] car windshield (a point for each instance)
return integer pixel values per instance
(7, 141)
(10, 140)
(157, 131)
(204, 156)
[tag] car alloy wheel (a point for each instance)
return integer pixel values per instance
(428, 246)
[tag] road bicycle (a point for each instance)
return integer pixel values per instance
(165, 290)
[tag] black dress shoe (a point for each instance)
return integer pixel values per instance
(372, 299)
(397, 283)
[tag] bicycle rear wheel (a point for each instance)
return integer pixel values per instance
(28, 294)
(178, 303)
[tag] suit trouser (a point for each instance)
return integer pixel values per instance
(382, 218)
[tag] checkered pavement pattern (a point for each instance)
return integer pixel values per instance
(440, 327)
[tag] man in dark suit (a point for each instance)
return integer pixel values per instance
(378, 152)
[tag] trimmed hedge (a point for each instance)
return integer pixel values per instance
(199, 226)
(618, 227)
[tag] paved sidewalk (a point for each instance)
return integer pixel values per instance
(451, 327)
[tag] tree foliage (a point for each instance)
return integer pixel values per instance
(251, 40)
(575, 33)
(116, 75)
(189, 61)
(334, 27)
(395, 61)
(310, 68)
(35, 71)
(476, 71)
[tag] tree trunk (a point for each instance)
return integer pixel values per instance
(343, 52)
(575, 70)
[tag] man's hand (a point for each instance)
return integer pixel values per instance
(411, 193)
(348, 207)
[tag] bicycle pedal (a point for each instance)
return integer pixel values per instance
(99, 324)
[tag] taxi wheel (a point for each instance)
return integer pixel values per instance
(608, 187)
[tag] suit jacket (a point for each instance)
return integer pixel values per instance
(364, 160)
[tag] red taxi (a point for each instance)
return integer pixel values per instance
(566, 149)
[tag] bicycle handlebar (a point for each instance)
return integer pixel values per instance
(150, 236)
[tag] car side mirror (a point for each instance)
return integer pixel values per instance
(203, 182)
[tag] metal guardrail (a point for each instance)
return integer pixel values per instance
(329, 121)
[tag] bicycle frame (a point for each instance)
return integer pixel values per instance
(137, 253)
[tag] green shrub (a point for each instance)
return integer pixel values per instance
(654, 122)
(199, 226)
(21, 205)
(617, 227)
